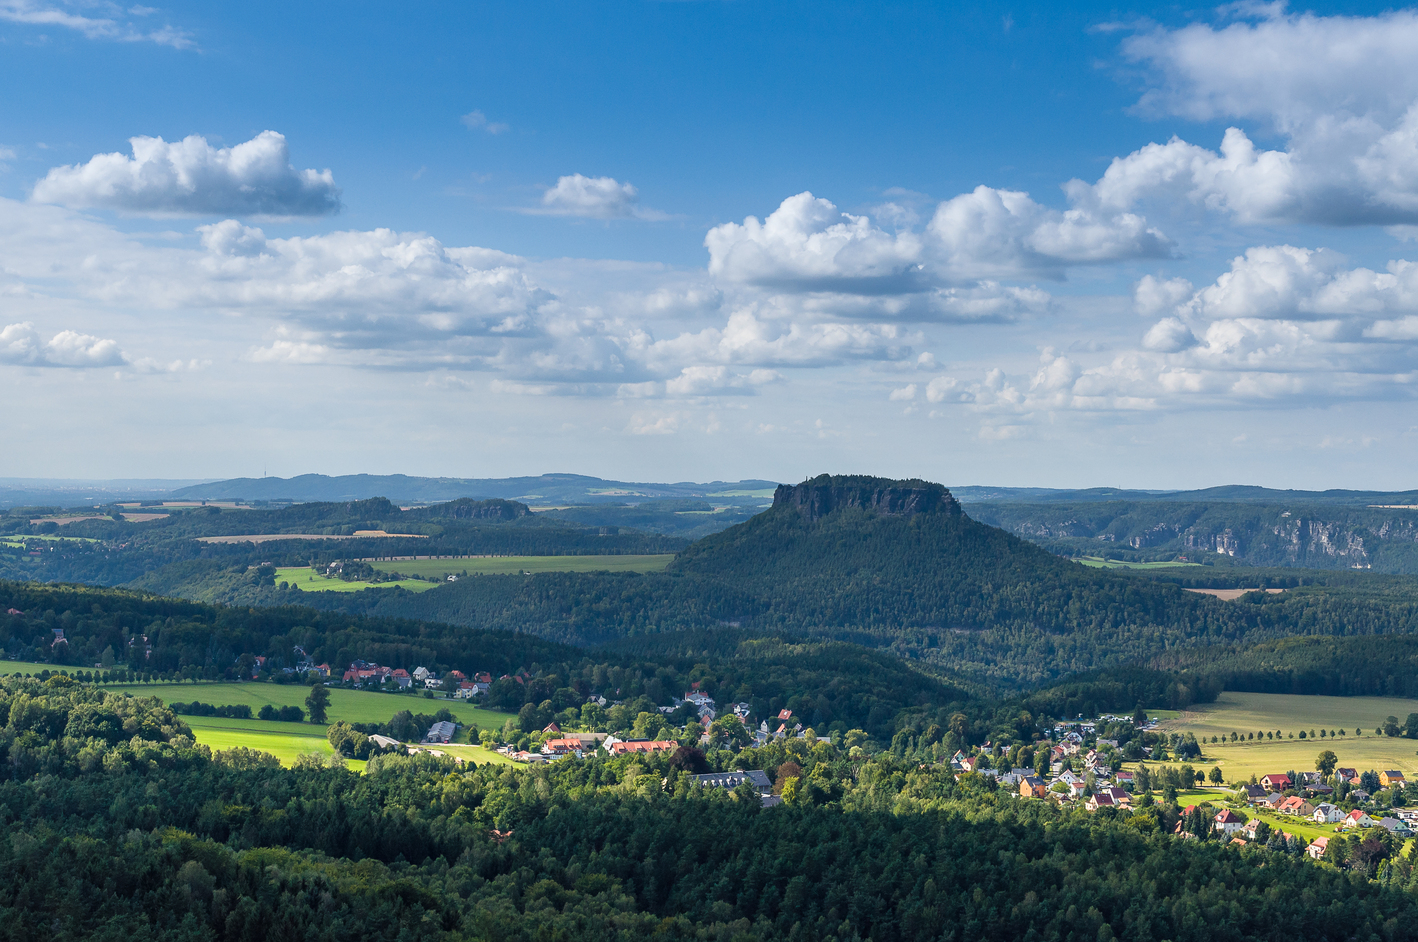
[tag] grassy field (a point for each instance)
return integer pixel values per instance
(285, 741)
(308, 580)
(17, 541)
(1098, 562)
(288, 740)
(352, 706)
(511, 565)
(476, 754)
(1252, 712)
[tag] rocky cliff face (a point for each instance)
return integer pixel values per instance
(819, 496)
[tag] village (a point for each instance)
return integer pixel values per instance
(1298, 811)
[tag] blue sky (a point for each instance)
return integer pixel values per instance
(511, 238)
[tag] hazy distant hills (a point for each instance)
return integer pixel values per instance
(541, 489)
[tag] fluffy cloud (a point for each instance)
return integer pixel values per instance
(1340, 89)
(806, 245)
(191, 177)
(21, 345)
(387, 300)
(1284, 325)
(594, 198)
(114, 27)
(747, 340)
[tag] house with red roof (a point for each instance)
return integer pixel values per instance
(1276, 781)
(1228, 822)
(642, 745)
(1356, 819)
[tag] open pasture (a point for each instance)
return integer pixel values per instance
(285, 741)
(1256, 712)
(352, 706)
(512, 565)
(308, 580)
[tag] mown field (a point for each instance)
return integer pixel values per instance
(285, 741)
(512, 565)
(1254, 712)
(308, 580)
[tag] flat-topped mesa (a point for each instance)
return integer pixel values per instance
(817, 497)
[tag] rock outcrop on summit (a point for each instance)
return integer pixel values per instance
(817, 497)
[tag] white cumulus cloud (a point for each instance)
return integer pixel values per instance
(22, 345)
(191, 177)
(1341, 90)
(808, 245)
(593, 198)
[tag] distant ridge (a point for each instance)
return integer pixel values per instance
(544, 488)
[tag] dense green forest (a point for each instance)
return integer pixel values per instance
(1369, 666)
(116, 825)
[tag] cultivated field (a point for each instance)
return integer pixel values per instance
(1254, 712)
(1098, 562)
(1230, 595)
(308, 580)
(511, 565)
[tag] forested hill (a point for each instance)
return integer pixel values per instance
(896, 566)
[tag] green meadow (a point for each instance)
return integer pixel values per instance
(1098, 562)
(512, 565)
(308, 580)
(352, 706)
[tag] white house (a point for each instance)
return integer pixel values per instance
(1357, 819)
(421, 674)
(1228, 822)
(1326, 813)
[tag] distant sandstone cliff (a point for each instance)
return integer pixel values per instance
(1323, 537)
